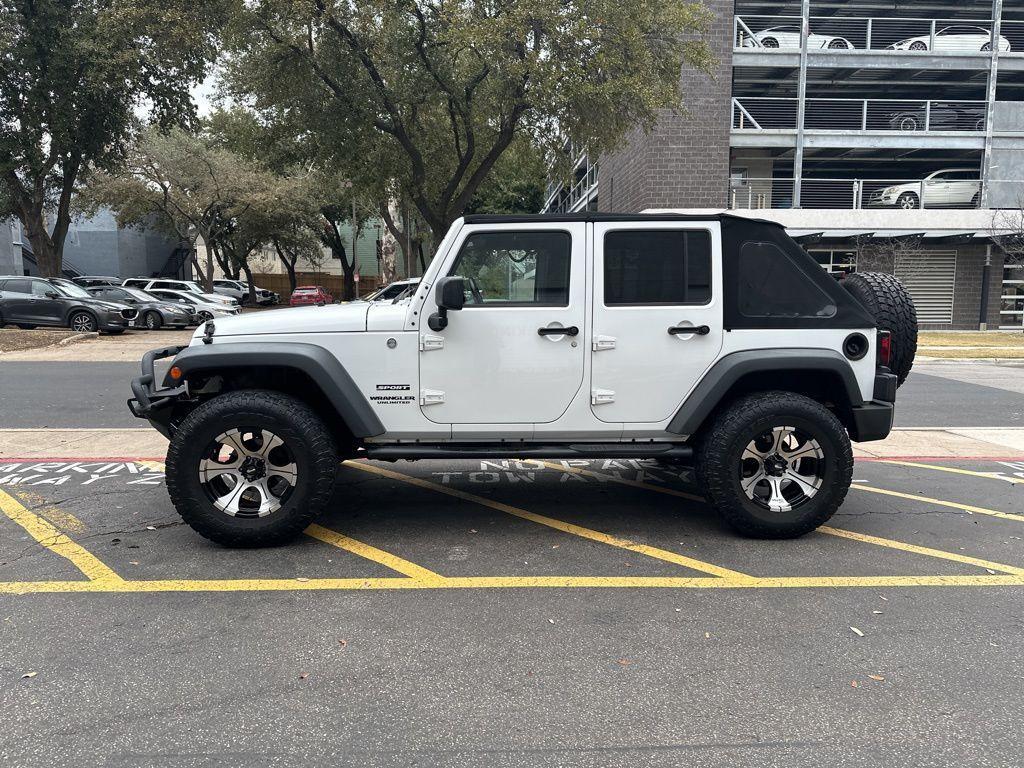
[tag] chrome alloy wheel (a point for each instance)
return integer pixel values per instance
(248, 472)
(782, 468)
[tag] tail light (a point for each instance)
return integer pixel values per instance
(884, 348)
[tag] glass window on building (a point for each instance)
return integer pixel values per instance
(1011, 304)
(836, 262)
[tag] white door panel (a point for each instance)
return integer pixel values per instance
(640, 371)
(493, 367)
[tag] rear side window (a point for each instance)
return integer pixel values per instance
(18, 286)
(515, 268)
(771, 285)
(657, 266)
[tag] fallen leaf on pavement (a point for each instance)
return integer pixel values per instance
(853, 684)
(342, 642)
(857, 632)
(879, 678)
(29, 674)
(624, 662)
(303, 675)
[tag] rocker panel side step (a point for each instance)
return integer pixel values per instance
(526, 450)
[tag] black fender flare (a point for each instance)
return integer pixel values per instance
(720, 378)
(325, 370)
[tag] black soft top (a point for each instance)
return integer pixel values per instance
(594, 216)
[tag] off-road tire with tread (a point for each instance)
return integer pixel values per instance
(889, 303)
(306, 435)
(720, 448)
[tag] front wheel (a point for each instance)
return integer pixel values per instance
(907, 201)
(83, 322)
(153, 321)
(775, 465)
(251, 468)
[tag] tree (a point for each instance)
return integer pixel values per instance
(183, 184)
(434, 93)
(72, 75)
(516, 185)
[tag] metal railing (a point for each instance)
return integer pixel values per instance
(776, 113)
(851, 33)
(580, 191)
(896, 194)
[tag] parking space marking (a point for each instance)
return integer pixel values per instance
(394, 562)
(939, 553)
(891, 543)
(576, 530)
(940, 502)
(953, 470)
(505, 582)
(50, 537)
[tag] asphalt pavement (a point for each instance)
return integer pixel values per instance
(93, 394)
(561, 615)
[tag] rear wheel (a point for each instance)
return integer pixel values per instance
(918, 45)
(889, 303)
(770, 42)
(775, 465)
(251, 468)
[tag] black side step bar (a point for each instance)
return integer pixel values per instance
(528, 451)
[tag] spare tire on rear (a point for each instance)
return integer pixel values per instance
(887, 300)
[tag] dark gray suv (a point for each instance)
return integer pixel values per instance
(29, 302)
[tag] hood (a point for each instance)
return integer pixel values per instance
(336, 318)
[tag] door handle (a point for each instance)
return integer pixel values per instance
(572, 330)
(679, 330)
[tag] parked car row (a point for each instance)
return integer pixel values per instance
(224, 290)
(959, 37)
(31, 302)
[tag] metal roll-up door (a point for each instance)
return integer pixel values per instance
(930, 277)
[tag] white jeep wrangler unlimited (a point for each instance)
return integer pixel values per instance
(710, 339)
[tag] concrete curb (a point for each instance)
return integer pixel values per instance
(77, 337)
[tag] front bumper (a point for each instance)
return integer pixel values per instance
(151, 402)
(114, 321)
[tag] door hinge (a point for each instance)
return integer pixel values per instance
(431, 397)
(601, 396)
(428, 342)
(603, 342)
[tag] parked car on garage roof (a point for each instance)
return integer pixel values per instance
(29, 302)
(87, 281)
(959, 37)
(788, 36)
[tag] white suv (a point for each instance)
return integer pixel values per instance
(948, 188)
(715, 340)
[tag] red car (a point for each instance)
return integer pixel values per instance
(310, 294)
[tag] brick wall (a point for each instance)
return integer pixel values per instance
(684, 161)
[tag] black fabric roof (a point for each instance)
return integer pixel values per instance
(593, 216)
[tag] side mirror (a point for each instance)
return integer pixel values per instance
(450, 294)
(52, 295)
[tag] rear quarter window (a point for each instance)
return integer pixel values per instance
(771, 285)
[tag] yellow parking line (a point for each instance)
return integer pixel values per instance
(622, 481)
(394, 562)
(891, 543)
(576, 530)
(939, 502)
(953, 470)
(155, 466)
(940, 553)
(508, 582)
(52, 539)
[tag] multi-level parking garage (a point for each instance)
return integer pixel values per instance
(891, 105)
(881, 131)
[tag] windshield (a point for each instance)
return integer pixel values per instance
(194, 287)
(135, 293)
(72, 290)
